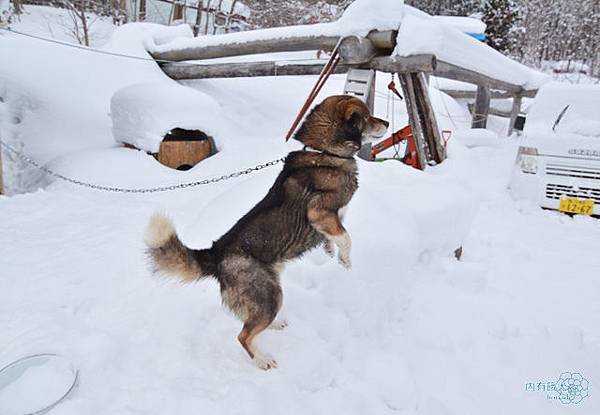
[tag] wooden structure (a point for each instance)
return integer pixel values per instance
(183, 149)
(372, 52)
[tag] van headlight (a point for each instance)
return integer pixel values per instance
(527, 160)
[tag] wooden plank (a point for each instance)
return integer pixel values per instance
(242, 70)
(413, 117)
(250, 47)
(481, 108)
(431, 130)
(515, 110)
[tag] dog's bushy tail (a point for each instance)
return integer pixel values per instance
(171, 257)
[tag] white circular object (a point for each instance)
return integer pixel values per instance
(35, 384)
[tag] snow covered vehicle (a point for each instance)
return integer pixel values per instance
(558, 161)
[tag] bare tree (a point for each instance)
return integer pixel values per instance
(80, 28)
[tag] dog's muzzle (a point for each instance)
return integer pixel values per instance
(375, 129)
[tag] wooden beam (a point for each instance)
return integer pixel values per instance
(291, 44)
(463, 94)
(417, 63)
(354, 49)
(481, 108)
(514, 112)
(380, 40)
(450, 71)
(397, 64)
(241, 70)
(494, 94)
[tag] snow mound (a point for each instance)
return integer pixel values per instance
(477, 138)
(142, 114)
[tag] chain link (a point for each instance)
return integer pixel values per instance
(142, 190)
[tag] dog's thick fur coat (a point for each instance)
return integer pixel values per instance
(300, 212)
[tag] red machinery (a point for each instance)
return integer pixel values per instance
(405, 134)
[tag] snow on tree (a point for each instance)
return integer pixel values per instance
(500, 16)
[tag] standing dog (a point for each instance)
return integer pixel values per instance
(298, 213)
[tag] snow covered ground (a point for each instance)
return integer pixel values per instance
(408, 330)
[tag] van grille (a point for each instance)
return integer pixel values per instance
(556, 191)
(566, 170)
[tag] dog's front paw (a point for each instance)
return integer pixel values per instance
(264, 362)
(329, 249)
(345, 261)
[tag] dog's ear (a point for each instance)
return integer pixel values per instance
(346, 109)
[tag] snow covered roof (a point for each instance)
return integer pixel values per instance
(462, 23)
(419, 35)
(360, 18)
(142, 114)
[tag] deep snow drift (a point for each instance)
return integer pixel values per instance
(409, 329)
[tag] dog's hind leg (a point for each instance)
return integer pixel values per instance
(251, 290)
(246, 337)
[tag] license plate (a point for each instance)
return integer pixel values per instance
(577, 206)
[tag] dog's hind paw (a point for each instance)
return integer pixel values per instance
(345, 261)
(278, 325)
(264, 362)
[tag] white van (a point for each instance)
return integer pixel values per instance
(558, 162)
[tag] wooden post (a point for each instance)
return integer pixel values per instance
(142, 15)
(406, 81)
(482, 107)
(433, 140)
(198, 17)
(514, 112)
(177, 11)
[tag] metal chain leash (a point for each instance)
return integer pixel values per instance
(142, 190)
